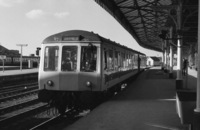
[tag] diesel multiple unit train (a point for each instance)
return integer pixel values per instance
(78, 67)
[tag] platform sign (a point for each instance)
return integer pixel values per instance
(2, 57)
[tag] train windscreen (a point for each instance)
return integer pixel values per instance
(69, 58)
(51, 58)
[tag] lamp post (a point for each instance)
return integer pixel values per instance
(21, 45)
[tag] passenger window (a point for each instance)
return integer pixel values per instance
(69, 58)
(105, 60)
(51, 58)
(123, 61)
(136, 61)
(110, 61)
(88, 58)
(116, 61)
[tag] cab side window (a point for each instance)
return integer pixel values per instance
(88, 58)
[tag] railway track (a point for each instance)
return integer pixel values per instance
(17, 105)
(60, 121)
(10, 90)
(26, 114)
(23, 117)
(19, 102)
(12, 102)
(4, 99)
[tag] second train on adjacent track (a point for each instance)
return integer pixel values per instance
(78, 67)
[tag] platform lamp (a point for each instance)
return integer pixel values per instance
(38, 54)
(38, 51)
(21, 45)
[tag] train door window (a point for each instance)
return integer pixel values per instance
(110, 60)
(105, 59)
(88, 58)
(51, 58)
(69, 58)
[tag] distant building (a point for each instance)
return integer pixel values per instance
(153, 61)
(7, 52)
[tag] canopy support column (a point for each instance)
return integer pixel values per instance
(171, 62)
(171, 55)
(196, 125)
(179, 80)
(163, 57)
(165, 52)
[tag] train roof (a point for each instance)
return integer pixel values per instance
(72, 35)
(81, 35)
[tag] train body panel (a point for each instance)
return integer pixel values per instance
(120, 65)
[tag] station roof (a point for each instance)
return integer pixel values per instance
(145, 20)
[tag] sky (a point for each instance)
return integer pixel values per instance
(31, 21)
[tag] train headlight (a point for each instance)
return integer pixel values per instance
(50, 83)
(88, 84)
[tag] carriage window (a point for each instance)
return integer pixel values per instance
(116, 60)
(51, 58)
(69, 58)
(88, 58)
(110, 60)
(105, 60)
(123, 60)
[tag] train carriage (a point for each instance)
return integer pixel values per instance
(76, 66)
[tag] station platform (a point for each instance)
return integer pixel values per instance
(148, 103)
(18, 72)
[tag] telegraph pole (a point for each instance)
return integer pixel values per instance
(21, 45)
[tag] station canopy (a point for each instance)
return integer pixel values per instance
(147, 20)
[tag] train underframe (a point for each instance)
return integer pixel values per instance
(78, 100)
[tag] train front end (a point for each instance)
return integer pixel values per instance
(69, 68)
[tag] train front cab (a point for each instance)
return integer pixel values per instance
(69, 68)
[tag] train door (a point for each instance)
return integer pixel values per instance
(89, 67)
(49, 67)
(106, 66)
(69, 69)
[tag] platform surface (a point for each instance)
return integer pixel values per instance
(147, 104)
(17, 72)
